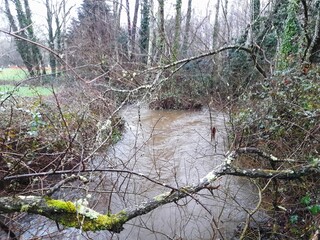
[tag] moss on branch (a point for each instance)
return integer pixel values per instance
(67, 213)
(78, 215)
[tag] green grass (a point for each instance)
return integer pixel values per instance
(24, 91)
(13, 74)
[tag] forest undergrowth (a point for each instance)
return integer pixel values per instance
(281, 116)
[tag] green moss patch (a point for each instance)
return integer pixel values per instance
(68, 214)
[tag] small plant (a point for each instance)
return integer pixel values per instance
(313, 208)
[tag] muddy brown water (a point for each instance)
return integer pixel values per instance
(172, 147)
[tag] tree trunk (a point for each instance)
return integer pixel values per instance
(216, 27)
(225, 16)
(117, 8)
(145, 30)
(51, 39)
(129, 28)
(177, 31)
(22, 47)
(151, 34)
(134, 30)
(289, 46)
(314, 52)
(29, 53)
(161, 32)
(37, 56)
(187, 30)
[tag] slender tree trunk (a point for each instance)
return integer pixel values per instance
(59, 41)
(289, 45)
(117, 8)
(134, 29)
(216, 27)
(314, 50)
(151, 34)
(51, 39)
(161, 41)
(225, 16)
(187, 30)
(144, 30)
(129, 28)
(177, 31)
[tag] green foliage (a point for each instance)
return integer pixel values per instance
(255, 12)
(294, 219)
(281, 115)
(282, 109)
(91, 9)
(314, 209)
(306, 200)
(290, 40)
(116, 135)
(269, 43)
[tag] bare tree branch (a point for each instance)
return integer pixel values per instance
(214, 52)
(13, 34)
(78, 215)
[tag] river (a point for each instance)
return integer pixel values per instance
(172, 147)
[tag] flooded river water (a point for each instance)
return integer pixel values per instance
(172, 147)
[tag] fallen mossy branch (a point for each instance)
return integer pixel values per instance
(78, 215)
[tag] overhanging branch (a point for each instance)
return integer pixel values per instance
(78, 215)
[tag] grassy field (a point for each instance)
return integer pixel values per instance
(24, 91)
(13, 74)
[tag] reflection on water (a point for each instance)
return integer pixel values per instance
(172, 147)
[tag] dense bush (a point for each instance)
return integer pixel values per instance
(282, 116)
(53, 133)
(282, 113)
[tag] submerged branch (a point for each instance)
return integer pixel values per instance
(78, 215)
